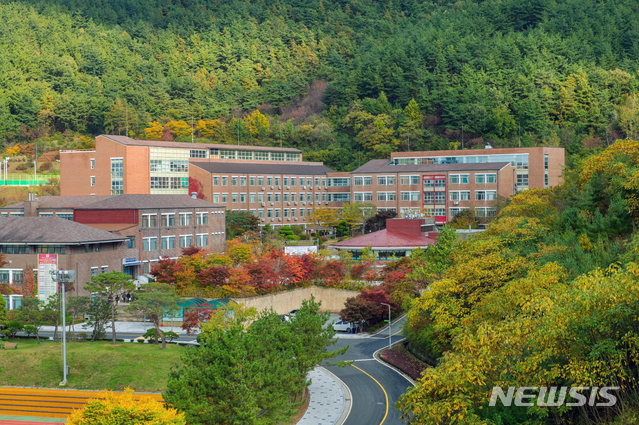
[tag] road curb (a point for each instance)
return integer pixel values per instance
(348, 397)
(377, 357)
(380, 330)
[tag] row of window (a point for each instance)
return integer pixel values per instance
(270, 181)
(286, 212)
(169, 182)
(169, 166)
(117, 176)
(517, 160)
(250, 155)
(479, 211)
(168, 219)
(277, 197)
(168, 242)
(479, 178)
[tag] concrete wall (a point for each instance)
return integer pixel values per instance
(283, 302)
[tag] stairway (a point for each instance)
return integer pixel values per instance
(125, 316)
(46, 403)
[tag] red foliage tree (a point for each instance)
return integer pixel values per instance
(262, 275)
(191, 250)
(194, 317)
(196, 187)
(333, 272)
(215, 276)
(378, 296)
(392, 280)
(165, 270)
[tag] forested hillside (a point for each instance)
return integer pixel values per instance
(334, 78)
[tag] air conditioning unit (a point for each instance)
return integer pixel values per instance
(279, 219)
(310, 187)
(288, 219)
(271, 187)
(279, 187)
(263, 188)
(288, 203)
(304, 187)
(288, 187)
(325, 203)
(295, 218)
(310, 203)
(272, 204)
(303, 203)
(262, 219)
(263, 204)
(455, 203)
(295, 203)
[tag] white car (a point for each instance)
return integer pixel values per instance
(344, 326)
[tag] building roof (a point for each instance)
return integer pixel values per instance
(386, 239)
(50, 230)
(141, 202)
(160, 144)
(55, 202)
(111, 227)
(384, 166)
(244, 168)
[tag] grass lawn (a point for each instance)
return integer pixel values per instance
(92, 365)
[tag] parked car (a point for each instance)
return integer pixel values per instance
(345, 326)
(292, 313)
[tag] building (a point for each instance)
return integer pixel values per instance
(50, 243)
(434, 190)
(279, 189)
(536, 167)
(278, 194)
(121, 165)
(399, 239)
(149, 226)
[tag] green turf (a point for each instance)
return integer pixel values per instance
(93, 365)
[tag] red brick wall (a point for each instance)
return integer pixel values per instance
(137, 174)
(75, 174)
(106, 216)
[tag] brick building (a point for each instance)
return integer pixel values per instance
(150, 226)
(435, 190)
(121, 165)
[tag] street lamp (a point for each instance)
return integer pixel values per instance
(63, 277)
(390, 336)
(35, 170)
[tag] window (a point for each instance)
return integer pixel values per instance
(363, 196)
(225, 198)
(216, 198)
(160, 182)
(440, 184)
(46, 214)
(429, 197)
(545, 161)
(489, 195)
(285, 197)
(233, 181)
(252, 198)
(168, 220)
(98, 248)
(104, 269)
(317, 197)
(225, 181)
(14, 249)
(301, 212)
(339, 197)
(185, 219)
(94, 271)
(546, 179)
(260, 181)
(168, 242)
(309, 197)
(453, 179)
(244, 155)
(285, 181)
(216, 181)
(186, 240)
(92, 180)
(260, 213)
(130, 242)
(234, 197)
(385, 196)
(339, 181)
(292, 157)
(149, 244)
(440, 212)
(454, 196)
(149, 220)
(440, 197)
(269, 213)
(242, 181)
(197, 153)
(277, 156)
(293, 210)
(294, 181)
(269, 181)
(410, 196)
(485, 212)
(88, 248)
(93, 163)
(324, 182)
(117, 176)
(179, 166)
(17, 214)
(66, 216)
(260, 197)
(252, 181)
(51, 249)
(202, 218)
(309, 181)
(522, 179)
(277, 197)
(277, 181)
(202, 239)
(485, 178)
(242, 197)
(408, 180)
(293, 197)
(277, 213)
(269, 197)
(480, 195)
(317, 181)
(464, 195)
(285, 212)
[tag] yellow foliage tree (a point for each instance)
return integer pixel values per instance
(125, 409)
(154, 131)
(328, 217)
(179, 128)
(256, 123)
(13, 150)
(211, 129)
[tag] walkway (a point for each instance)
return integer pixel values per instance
(330, 399)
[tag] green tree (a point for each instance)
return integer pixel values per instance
(34, 312)
(99, 311)
(240, 222)
(156, 300)
(357, 213)
(109, 285)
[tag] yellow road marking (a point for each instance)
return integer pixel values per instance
(380, 385)
(392, 334)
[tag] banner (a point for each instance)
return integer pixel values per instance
(300, 250)
(46, 285)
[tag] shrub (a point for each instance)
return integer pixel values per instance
(12, 328)
(45, 167)
(125, 409)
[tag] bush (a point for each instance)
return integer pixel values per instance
(45, 167)
(297, 229)
(303, 237)
(12, 328)
(292, 238)
(124, 408)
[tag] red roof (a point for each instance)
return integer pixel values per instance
(387, 238)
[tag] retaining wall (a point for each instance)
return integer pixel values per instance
(283, 302)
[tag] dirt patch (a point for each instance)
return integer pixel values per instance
(303, 408)
(403, 360)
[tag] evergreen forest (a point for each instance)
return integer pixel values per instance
(344, 81)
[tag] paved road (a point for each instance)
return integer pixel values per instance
(121, 335)
(374, 386)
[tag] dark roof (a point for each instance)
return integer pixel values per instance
(244, 168)
(54, 202)
(386, 238)
(133, 142)
(50, 230)
(384, 166)
(140, 202)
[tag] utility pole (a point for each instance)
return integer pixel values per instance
(191, 129)
(390, 336)
(126, 108)
(409, 139)
(519, 134)
(462, 137)
(62, 277)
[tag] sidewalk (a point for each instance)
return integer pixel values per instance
(127, 327)
(330, 399)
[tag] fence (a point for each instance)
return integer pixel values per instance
(24, 180)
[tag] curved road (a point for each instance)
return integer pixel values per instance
(374, 386)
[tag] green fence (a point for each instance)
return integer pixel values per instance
(24, 180)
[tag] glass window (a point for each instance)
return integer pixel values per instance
(168, 242)
(225, 181)
(66, 216)
(429, 197)
(242, 197)
(130, 242)
(117, 176)
(225, 198)
(252, 181)
(338, 181)
(491, 178)
(440, 197)
(234, 197)
(94, 271)
(51, 249)
(104, 269)
(202, 218)
(269, 181)
(408, 180)
(186, 240)
(339, 197)
(185, 219)
(260, 181)
(480, 178)
(464, 195)
(242, 181)
(202, 240)
(277, 197)
(168, 220)
(216, 198)
(480, 195)
(93, 163)
(293, 181)
(149, 244)
(92, 180)
(149, 220)
(197, 153)
(358, 181)
(453, 179)
(464, 178)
